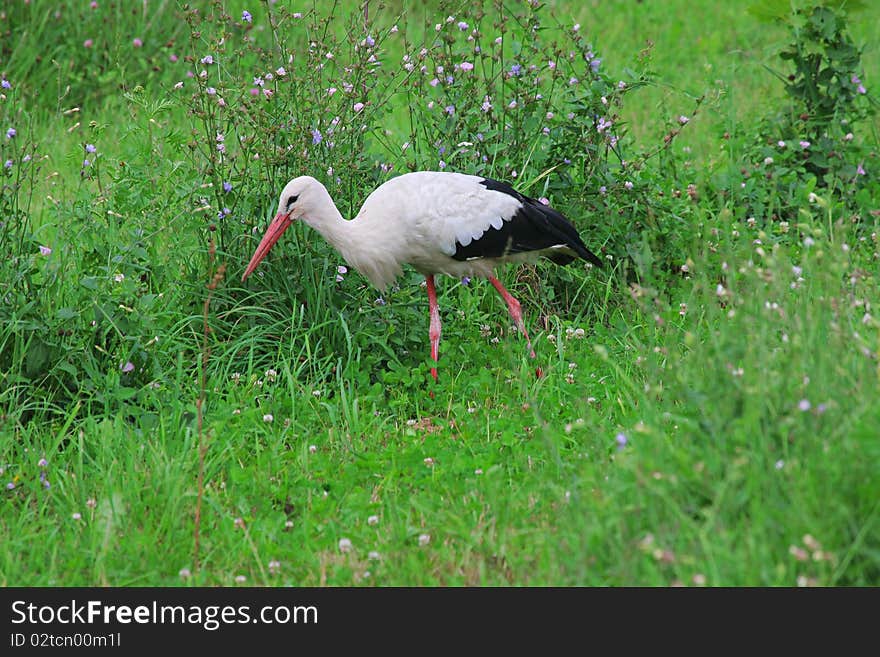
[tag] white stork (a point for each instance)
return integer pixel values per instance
(437, 222)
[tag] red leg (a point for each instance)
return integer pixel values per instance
(515, 312)
(434, 331)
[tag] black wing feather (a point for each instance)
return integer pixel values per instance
(533, 227)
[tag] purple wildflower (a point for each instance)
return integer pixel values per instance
(316, 137)
(136, 42)
(227, 186)
(860, 87)
(621, 440)
(516, 69)
(5, 84)
(127, 367)
(10, 133)
(45, 250)
(90, 148)
(246, 16)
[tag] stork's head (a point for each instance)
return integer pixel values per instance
(299, 197)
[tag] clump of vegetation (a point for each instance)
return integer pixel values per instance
(814, 146)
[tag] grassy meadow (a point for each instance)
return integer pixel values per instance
(708, 414)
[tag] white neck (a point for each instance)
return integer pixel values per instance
(361, 247)
(325, 218)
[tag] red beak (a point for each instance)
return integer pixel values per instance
(276, 228)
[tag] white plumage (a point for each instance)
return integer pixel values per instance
(437, 222)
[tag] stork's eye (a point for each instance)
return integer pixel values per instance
(292, 200)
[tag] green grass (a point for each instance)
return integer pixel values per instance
(744, 390)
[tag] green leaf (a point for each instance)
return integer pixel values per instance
(66, 313)
(770, 10)
(37, 358)
(70, 368)
(124, 392)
